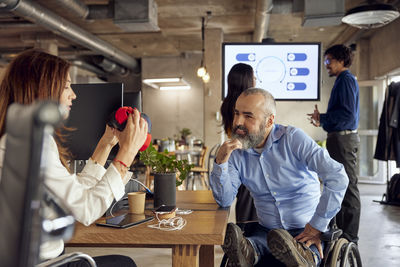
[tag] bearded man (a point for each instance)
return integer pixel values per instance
(282, 167)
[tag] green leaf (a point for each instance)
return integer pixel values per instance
(162, 162)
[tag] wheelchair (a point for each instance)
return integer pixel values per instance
(338, 251)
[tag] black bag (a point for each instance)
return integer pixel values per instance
(393, 192)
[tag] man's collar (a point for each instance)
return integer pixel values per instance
(342, 72)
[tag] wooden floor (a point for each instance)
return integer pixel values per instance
(379, 236)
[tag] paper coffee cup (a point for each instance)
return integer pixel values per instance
(136, 202)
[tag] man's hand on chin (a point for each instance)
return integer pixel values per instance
(226, 149)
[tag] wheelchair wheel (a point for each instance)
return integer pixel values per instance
(351, 256)
(337, 253)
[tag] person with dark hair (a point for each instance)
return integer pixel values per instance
(240, 77)
(35, 75)
(341, 122)
(281, 166)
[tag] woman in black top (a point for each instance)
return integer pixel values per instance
(240, 77)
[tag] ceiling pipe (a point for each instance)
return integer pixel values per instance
(75, 6)
(49, 20)
(263, 9)
(85, 65)
(108, 65)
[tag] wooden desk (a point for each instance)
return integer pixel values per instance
(191, 246)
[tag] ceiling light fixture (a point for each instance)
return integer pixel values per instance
(201, 71)
(177, 87)
(167, 83)
(162, 80)
(371, 16)
(206, 78)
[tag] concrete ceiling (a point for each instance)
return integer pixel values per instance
(180, 27)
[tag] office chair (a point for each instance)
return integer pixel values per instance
(200, 170)
(22, 191)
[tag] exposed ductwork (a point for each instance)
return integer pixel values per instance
(100, 12)
(263, 9)
(136, 16)
(84, 65)
(108, 65)
(319, 13)
(76, 6)
(49, 20)
(131, 16)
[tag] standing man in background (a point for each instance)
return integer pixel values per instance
(341, 122)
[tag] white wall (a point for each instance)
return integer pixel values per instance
(170, 111)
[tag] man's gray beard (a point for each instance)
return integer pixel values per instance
(251, 140)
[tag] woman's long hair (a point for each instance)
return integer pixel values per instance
(240, 77)
(34, 75)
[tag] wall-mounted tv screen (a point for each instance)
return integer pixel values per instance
(289, 71)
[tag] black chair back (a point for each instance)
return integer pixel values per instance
(21, 182)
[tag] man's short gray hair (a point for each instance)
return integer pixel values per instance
(270, 105)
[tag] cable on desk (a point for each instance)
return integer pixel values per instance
(172, 224)
(145, 187)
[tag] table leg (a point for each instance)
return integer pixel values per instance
(206, 257)
(185, 255)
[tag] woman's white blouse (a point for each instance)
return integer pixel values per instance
(87, 195)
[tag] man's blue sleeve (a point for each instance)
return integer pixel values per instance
(224, 182)
(333, 176)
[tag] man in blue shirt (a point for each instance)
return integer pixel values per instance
(281, 166)
(341, 122)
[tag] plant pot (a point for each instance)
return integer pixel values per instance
(164, 189)
(164, 145)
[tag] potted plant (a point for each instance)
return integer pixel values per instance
(164, 167)
(185, 132)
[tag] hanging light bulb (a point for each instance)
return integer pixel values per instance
(206, 78)
(201, 71)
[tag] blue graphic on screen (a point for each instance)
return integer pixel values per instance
(296, 86)
(296, 57)
(246, 57)
(288, 71)
(299, 71)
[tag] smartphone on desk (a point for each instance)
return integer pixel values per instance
(165, 209)
(126, 220)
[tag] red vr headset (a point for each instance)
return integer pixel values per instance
(118, 119)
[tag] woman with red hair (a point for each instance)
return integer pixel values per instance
(35, 75)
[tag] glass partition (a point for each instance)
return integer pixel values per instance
(372, 96)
